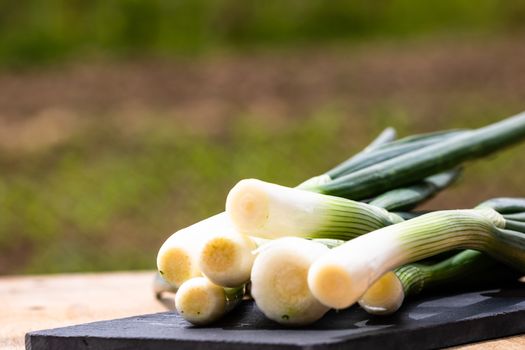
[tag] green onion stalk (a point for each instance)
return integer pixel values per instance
(279, 281)
(406, 198)
(340, 278)
(412, 166)
(267, 210)
(201, 302)
(177, 257)
(468, 268)
(377, 153)
(227, 258)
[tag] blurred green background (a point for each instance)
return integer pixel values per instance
(123, 121)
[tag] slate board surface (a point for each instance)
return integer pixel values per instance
(424, 323)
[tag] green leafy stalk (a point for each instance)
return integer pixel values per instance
(385, 151)
(406, 198)
(426, 161)
(467, 268)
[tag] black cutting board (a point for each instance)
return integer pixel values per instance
(427, 322)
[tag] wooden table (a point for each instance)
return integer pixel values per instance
(39, 302)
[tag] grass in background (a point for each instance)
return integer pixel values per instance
(36, 31)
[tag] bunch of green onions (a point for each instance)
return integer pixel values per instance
(225, 256)
(213, 248)
(279, 238)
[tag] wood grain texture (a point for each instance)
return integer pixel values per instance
(40, 302)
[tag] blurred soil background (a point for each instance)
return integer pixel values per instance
(121, 122)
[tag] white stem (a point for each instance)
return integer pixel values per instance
(226, 259)
(342, 276)
(268, 210)
(201, 302)
(177, 260)
(279, 281)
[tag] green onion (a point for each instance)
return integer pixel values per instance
(468, 268)
(426, 161)
(506, 206)
(517, 217)
(385, 137)
(226, 259)
(406, 198)
(268, 210)
(201, 302)
(177, 259)
(379, 153)
(339, 278)
(279, 281)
